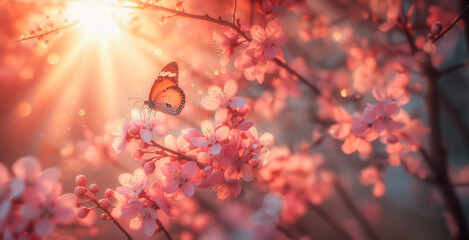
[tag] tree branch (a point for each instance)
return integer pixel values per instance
(466, 9)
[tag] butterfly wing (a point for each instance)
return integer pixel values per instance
(170, 100)
(167, 77)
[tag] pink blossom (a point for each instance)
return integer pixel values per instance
(227, 42)
(224, 187)
(163, 200)
(219, 99)
(148, 124)
(381, 115)
(178, 177)
(52, 209)
(237, 165)
(265, 41)
(254, 67)
(120, 142)
(211, 137)
(132, 184)
(141, 216)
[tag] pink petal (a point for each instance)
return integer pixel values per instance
(170, 142)
(119, 144)
(159, 130)
(29, 211)
(258, 32)
(267, 139)
(230, 88)
(243, 61)
(26, 167)
(149, 226)
(369, 114)
(219, 37)
(207, 128)
(44, 227)
(5, 208)
(225, 58)
(169, 185)
(188, 189)
(189, 169)
(215, 92)
(216, 178)
(129, 212)
(170, 169)
(199, 142)
(125, 178)
(146, 135)
(245, 125)
(215, 149)
(163, 206)
(63, 213)
(221, 115)
(210, 103)
(222, 133)
(270, 51)
(378, 125)
(203, 157)
(17, 186)
(50, 174)
(247, 172)
(237, 102)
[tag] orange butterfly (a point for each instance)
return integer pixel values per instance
(165, 95)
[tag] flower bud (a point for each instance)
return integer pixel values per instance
(149, 168)
(104, 203)
(93, 188)
(143, 145)
(80, 192)
(137, 154)
(104, 216)
(109, 193)
(436, 28)
(83, 212)
(80, 180)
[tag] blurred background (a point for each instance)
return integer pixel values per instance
(62, 96)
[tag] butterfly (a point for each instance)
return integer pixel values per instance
(165, 95)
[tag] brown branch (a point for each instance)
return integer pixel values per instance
(461, 184)
(285, 231)
(451, 25)
(453, 68)
(456, 116)
(178, 154)
(166, 233)
(42, 35)
(357, 214)
(328, 219)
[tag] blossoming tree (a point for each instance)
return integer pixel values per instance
(307, 104)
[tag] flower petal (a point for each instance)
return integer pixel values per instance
(189, 169)
(188, 189)
(44, 227)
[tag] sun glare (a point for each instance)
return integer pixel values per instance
(97, 17)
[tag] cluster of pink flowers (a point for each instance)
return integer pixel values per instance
(219, 156)
(31, 200)
(389, 123)
(301, 178)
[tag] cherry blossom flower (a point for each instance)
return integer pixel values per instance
(163, 200)
(132, 184)
(224, 187)
(380, 115)
(120, 142)
(51, 210)
(227, 42)
(148, 124)
(266, 41)
(237, 166)
(254, 67)
(211, 137)
(219, 99)
(140, 215)
(178, 176)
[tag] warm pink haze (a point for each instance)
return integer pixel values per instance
(234, 119)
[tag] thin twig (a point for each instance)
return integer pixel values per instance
(453, 68)
(285, 231)
(178, 154)
(42, 35)
(451, 25)
(234, 11)
(166, 233)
